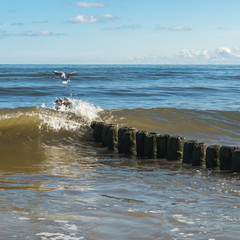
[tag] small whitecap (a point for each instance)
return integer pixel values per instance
(71, 227)
(182, 221)
(24, 218)
(177, 216)
(132, 210)
(60, 221)
(190, 222)
(174, 230)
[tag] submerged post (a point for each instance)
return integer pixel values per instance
(150, 145)
(105, 131)
(140, 142)
(236, 161)
(162, 141)
(121, 132)
(112, 136)
(199, 154)
(188, 151)
(212, 156)
(97, 131)
(126, 140)
(226, 157)
(175, 148)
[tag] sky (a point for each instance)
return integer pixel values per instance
(120, 32)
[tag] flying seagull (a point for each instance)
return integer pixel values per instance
(65, 79)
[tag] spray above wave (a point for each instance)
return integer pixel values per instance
(87, 111)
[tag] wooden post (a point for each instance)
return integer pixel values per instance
(140, 142)
(188, 151)
(112, 136)
(212, 156)
(175, 148)
(226, 157)
(162, 141)
(150, 145)
(105, 131)
(126, 140)
(236, 161)
(129, 141)
(97, 131)
(121, 132)
(199, 154)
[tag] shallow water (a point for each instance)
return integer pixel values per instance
(56, 183)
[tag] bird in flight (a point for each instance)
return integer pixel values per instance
(65, 78)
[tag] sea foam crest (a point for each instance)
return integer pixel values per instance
(79, 114)
(81, 108)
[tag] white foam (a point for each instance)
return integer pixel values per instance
(174, 230)
(83, 109)
(80, 114)
(24, 218)
(57, 236)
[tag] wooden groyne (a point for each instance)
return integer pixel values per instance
(143, 144)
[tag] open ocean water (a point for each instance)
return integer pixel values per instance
(56, 183)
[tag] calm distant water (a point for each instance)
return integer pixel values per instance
(56, 183)
(124, 86)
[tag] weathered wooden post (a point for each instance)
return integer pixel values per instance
(105, 131)
(175, 148)
(140, 142)
(97, 131)
(212, 156)
(150, 145)
(188, 151)
(226, 157)
(126, 140)
(162, 141)
(121, 132)
(112, 136)
(199, 154)
(129, 141)
(236, 161)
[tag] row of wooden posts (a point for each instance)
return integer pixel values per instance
(152, 145)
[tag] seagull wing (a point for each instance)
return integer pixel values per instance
(71, 73)
(58, 73)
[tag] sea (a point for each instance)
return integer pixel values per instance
(57, 183)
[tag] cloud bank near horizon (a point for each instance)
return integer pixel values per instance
(221, 55)
(91, 19)
(41, 33)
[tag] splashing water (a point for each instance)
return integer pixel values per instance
(85, 110)
(80, 113)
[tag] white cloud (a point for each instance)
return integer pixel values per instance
(177, 28)
(221, 55)
(123, 27)
(88, 4)
(17, 24)
(43, 33)
(91, 19)
(186, 53)
(109, 16)
(84, 19)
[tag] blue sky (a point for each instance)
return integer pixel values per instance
(120, 31)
